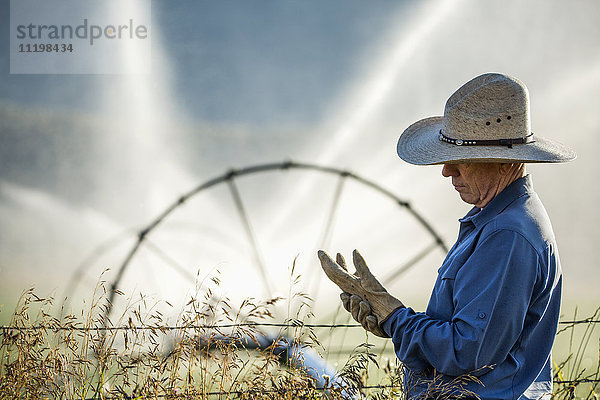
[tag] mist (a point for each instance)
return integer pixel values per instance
(88, 161)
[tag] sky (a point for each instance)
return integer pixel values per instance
(86, 161)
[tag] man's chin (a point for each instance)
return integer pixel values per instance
(466, 198)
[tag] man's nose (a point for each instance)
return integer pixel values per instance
(449, 170)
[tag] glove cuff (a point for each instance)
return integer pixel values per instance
(383, 321)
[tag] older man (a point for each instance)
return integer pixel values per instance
(494, 309)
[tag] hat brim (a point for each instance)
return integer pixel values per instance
(419, 144)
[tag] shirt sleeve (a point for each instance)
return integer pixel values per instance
(491, 295)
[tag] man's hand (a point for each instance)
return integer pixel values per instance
(362, 284)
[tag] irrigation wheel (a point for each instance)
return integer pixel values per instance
(252, 224)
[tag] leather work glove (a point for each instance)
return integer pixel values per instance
(379, 304)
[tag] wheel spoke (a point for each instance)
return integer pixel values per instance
(169, 261)
(313, 277)
(250, 234)
(398, 271)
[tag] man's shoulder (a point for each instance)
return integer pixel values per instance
(527, 217)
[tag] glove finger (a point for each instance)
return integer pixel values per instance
(355, 306)
(372, 323)
(368, 280)
(345, 300)
(373, 327)
(364, 310)
(340, 260)
(345, 281)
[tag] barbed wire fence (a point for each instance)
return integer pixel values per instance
(291, 324)
(564, 387)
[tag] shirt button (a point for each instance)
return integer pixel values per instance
(481, 315)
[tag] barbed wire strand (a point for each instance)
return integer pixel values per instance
(293, 324)
(172, 328)
(583, 321)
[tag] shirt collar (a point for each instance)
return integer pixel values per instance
(480, 216)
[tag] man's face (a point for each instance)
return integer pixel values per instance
(476, 183)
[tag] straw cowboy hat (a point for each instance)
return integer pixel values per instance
(486, 120)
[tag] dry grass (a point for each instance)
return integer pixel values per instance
(212, 350)
(573, 379)
(205, 354)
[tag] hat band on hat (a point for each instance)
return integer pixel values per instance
(498, 142)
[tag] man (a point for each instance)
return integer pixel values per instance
(495, 305)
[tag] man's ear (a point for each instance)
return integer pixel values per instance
(512, 168)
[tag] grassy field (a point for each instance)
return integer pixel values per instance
(215, 350)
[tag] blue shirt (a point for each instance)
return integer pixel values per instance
(495, 305)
